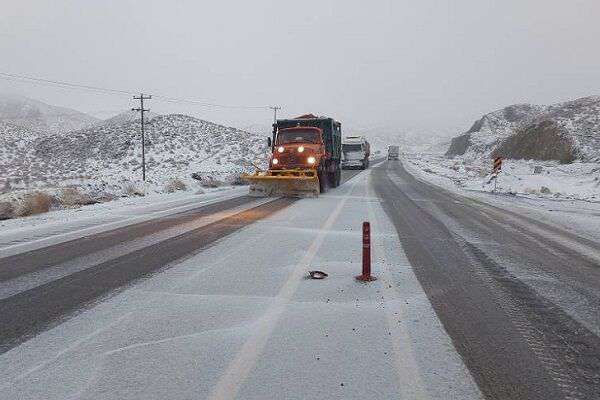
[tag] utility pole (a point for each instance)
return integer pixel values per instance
(142, 110)
(275, 108)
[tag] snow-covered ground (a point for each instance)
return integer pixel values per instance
(106, 158)
(576, 181)
(103, 162)
(567, 195)
(52, 149)
(239, 320)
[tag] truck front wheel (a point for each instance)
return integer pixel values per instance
(322, 175)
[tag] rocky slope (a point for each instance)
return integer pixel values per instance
(40, 117)
(565, 132)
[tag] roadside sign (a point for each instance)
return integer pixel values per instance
(497, 166)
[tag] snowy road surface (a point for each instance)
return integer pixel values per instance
(471, 302)
(24, 234)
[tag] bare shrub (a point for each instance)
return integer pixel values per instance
(131, 189)
(34, 203)
(210, 182)
(71, 197)
(197, 176)
(7, 210)
(103, 197)
(238, 181)
(175, 185)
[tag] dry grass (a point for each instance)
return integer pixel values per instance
(7, 210)
(71, 197)
(209, 182)
(34, 203)
(131, 189)
(175, 185)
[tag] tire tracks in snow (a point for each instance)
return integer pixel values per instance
(407, 369)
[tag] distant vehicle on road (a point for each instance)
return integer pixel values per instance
(305, 160)
(393, 152)
(355, 152)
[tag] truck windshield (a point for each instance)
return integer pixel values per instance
(352, 147)
(298, 136)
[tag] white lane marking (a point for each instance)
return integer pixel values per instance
(63, 237)
(40, 277)
(407, 368)
(238, 370)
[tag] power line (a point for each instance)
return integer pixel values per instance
(64, 84)
(168, 99)
(204, 104)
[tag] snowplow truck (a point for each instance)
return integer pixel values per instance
(305, 158)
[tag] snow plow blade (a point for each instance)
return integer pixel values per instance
(289, 183)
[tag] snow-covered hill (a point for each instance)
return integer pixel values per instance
(125, 117)
(16, 144)
(552, 152)
(107, 157)
(564, 131)
(580, 120)
(41, 117)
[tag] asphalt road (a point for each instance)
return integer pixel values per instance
(518, 299)
(41, 288)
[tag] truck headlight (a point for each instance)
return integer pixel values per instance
(280, 149)
(300, 149)
(311, 160)
(275, 161)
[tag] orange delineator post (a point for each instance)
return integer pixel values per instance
(366, 254)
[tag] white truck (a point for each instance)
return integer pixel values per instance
(355, 152)
(393, 152)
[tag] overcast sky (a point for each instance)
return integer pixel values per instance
(433, 65)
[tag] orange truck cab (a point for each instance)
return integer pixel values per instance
(305, 158)
(298, 147)
(308, 142)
